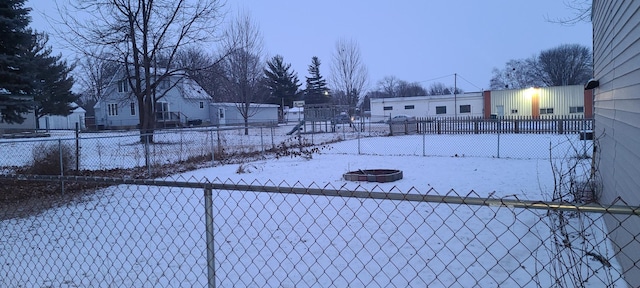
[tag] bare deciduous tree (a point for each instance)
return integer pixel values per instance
(204, 68)
(95, 74)
(137, 33)
(244, 66)
(568, 64)
(348, 73)
(439, 88)
(388, 85)
(408, 89)
(517, 74)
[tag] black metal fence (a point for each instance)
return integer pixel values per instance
(524, 125)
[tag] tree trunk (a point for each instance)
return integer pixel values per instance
(246, 125)
(147, 122)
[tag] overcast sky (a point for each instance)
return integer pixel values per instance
(415, 40)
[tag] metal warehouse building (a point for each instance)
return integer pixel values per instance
(535, 102)
(563, 101)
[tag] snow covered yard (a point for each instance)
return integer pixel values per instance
(148, 236)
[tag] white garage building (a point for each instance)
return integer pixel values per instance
(460, 105)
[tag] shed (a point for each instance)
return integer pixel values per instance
(295, 114)
(64, 122)
(229, 113)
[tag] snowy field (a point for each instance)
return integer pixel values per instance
(144, 236)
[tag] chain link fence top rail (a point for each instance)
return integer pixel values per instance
(196, 232)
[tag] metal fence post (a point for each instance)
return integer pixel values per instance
(499, 128)
(358, 135)
(147, 159)
(273, 143)
(219, 143)
(213, 152)
(424, 143)
(211, 265)
(584, 132)
(61, 166)
(261, 140)
(344, 133)
(77, 146)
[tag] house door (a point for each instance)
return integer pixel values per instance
(221, 116)
(500, 110)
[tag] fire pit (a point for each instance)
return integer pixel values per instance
(374, 175)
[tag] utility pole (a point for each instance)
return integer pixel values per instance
(455, 94)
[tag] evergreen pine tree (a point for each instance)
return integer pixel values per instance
(52, 82)
(317, 91)
(15, 78)
(282, 84)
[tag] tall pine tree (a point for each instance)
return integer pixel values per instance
(282, 83)
(52, 82)
(15, 80)
(317, 91)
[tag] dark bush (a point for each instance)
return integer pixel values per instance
(46, 159)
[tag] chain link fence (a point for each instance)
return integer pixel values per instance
(74, 151)
(198, 233)
(107, 209)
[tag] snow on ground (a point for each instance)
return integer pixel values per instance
(134, 236)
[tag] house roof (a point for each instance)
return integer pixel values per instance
(253, 105)
(77, 108)
(192, 90)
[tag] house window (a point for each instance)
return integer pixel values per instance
(441, 109)
(409, 107)
(514, 111)
(201, 105)
(465, 108)
(112, 109)
(133, 108)
(577, 109)
(123, 86)
(386, 108)
(164, 84)
(546, 110)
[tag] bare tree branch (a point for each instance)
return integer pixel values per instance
(581, 12)
(348, 73)
(244, 66)
(137, 33)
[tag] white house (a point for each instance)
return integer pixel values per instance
(64, 122)
(229, 113)
(616, 83)
(185, 103)
(460, 105)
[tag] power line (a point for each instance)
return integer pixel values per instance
(429, 80)
(474, 85)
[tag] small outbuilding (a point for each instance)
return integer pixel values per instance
(229, 113)
(64, 122)
(294, 114)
